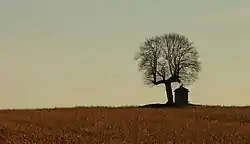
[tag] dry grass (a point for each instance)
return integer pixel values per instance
(126, 125)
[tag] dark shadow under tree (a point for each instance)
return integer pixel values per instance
(167, 59)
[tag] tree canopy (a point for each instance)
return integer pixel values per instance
(168, 58)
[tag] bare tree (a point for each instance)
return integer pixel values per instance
(167, 59)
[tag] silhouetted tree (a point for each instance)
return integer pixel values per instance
(166, 59)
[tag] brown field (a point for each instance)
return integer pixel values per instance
(126, 125)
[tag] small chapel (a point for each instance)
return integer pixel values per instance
(181, 96)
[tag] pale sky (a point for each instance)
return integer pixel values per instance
(63, 53)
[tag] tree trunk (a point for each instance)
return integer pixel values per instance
(169, 93)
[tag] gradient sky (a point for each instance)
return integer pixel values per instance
(57, 53)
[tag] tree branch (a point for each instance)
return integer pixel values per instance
(159, 82)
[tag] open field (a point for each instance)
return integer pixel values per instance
(126, 125)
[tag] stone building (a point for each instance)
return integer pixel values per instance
(181, 96)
